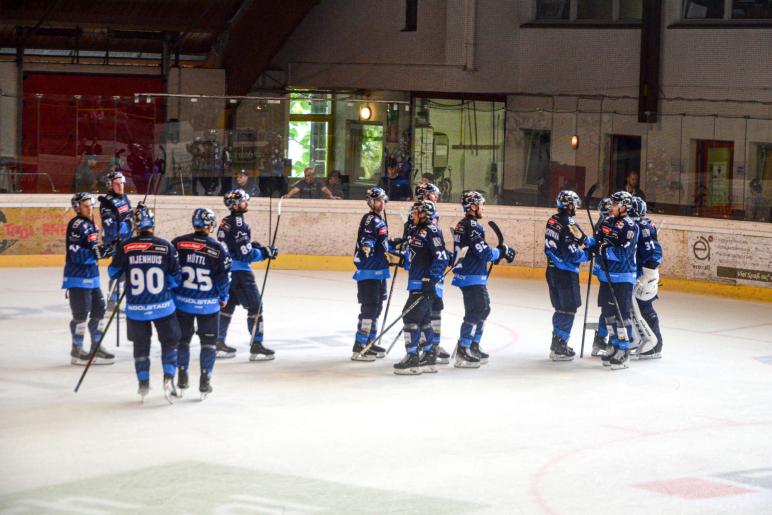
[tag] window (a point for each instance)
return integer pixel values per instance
(411, 16)
(727, 9)
(589, 10)
(310, 132)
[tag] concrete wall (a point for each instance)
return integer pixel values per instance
(693, 247)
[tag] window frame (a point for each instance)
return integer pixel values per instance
(574, 21)
(724, 22)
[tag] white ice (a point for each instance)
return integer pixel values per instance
(313, 432)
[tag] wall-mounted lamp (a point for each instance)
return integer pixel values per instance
(193, 99)
(365, 112)
(574, 141)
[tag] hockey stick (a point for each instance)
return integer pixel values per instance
(412, 306)
(493, 225)
(403, 216)
(589, 275)
(265, 276)
(95, 348)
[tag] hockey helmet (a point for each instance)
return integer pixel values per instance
(568, 198)
(425, 206)
(604, 207)
(639, 208)
(203, 218)
(143, 217)
(233, 198)
(376, 193)
(80, 197)
(470, 198)
(423, 190)
(623, 199)
(113, 175)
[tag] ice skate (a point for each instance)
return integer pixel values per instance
(182, 383)
(443, 356)
(465, 359)
(224, 351)
(169, 391)
(78, 356)
(102, 357)
(357, 353)
(259, 353)
(428, 361)
(380, 352)
(599, 345)
(204, 386)
(620, 359)
(655, 353)
(410, 365)
(143, 390)
(479, 353)
(559, 349)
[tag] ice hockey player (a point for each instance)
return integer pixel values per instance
(428, 260)
(372, 270)
(616, 244)
(117, 220)
(205, 265)
(428, 191)
(648, 258)
(471, 276)
(564, 246)
(235, 234)
(152, 270)
(600, 342)
(81, 280)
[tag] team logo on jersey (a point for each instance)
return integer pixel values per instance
(383, 230)
(606, 229)
(136, 246)
(123, 208)
(92, 237)
(459, 228)
(161, 249)
(620, 224)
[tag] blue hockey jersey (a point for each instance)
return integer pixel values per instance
(649, 251)
(560, 244)
(113, 209)
(427, 255)
(409, 229)
(622, 236)
(80, 262)
(373, 235)
(152, 272)
(205, 265)
(472, 271)
(235, 234)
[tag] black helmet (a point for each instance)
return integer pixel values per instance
(425, 206)
(376, 193)
(80, 197)
(470, 198)
(234, 197)
(622, 198)
(143, 217)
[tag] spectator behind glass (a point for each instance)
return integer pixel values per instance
(632, 185)
(85, 174)
(335, 184)
(427, 178)
(246, 183)
(757, 205)
(397, 186)
(310, 187)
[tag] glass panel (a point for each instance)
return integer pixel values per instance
(308, 147)
(594, 10)
(552, 9)
(703, 9)
(757, 203)
(365, 152)
(630, 9)
(751, 9)
(308, 103)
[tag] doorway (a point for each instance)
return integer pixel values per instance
(713, 170)
(625, 158)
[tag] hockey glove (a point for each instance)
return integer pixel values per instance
(577, 234)
(398, 243)
(269, 252)
(507, 253)
(103, 251)
(367, 250)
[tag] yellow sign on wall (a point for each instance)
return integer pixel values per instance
(33, 230)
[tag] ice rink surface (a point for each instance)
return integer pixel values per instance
(313, 432)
